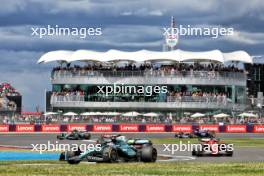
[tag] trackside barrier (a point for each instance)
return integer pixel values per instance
(130, 128)
(182, 128)
(4, 128)
(258, 129)
(214, 128)
(236, 129)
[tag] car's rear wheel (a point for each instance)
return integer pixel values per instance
(87, 136)
(70, 155)
(149, 154)
(193, 153)
(229, 153)
(110, 154)
(199, 152)
(212, 134)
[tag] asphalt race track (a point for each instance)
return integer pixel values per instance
(240, 154)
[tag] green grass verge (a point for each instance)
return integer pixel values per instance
(244, 142)
(23, 168)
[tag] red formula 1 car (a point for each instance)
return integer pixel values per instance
(212, 147)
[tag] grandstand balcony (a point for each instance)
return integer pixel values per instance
(149, 77)
(172, 103)
(146, 105)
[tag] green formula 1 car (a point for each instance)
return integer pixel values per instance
(74, 135)
(117, 150)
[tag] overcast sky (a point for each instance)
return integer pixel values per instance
(126, 25)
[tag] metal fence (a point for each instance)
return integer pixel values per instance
(149, 73)
(206, 99)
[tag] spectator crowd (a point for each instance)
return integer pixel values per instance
(65, 96)
(172, 96)
(7, 90)
(207, 97)
(179, 69)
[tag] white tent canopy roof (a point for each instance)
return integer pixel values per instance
(50, 113)
(144, 55)
(70, 114)
(131, 114)
(151, 114)
(221, 115)
(245, 114)
(197, 115)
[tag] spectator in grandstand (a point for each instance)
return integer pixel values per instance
(7, 90)
(209, 71)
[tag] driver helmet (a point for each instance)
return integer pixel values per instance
(121, 138)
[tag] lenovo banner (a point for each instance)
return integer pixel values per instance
(182, 128)
(258, 129)
(4, 128)
(50, 128)
(102, 128)
(79, 127)
(214, 128)
(155, 128)
(236, 129)
(128, 128)
(25, 128)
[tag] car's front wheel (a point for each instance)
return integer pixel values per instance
(149, 154)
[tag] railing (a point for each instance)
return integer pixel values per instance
(148, 73)
(66, 98)
(177, 99)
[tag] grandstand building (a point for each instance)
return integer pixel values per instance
(195, 81)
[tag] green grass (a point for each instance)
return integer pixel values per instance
(244, 142)
(150, 169)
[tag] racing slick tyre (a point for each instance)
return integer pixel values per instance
(70, 157)
(199, 152)
(191, 135)
(87, 136)
(59, 137)
(110, 154)
(229, 153)
(149, 154)
(62, 156)
(212, 134)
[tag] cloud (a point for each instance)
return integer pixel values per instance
(246, 38)
(127, 25)
(143, 12)
(113, 36)
(20, 69)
